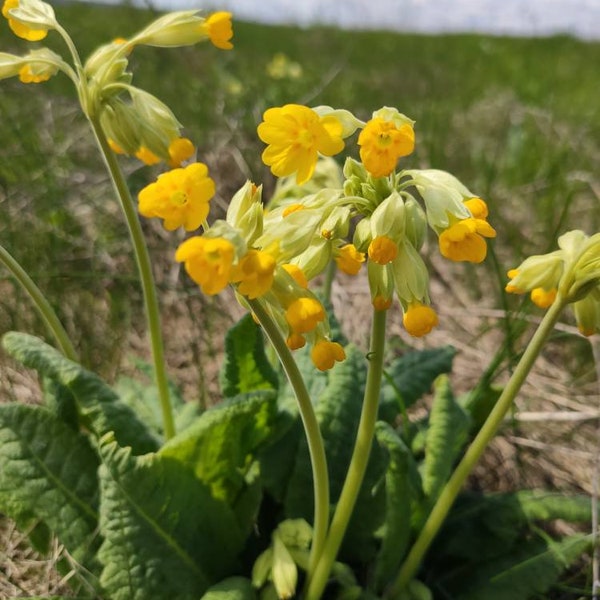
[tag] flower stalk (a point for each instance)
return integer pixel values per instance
(317, 580)
(473, 454)
(146, 277)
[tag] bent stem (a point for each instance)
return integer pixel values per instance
(311, 428)
(147, 279)
(358, 462)
(40, 303)
(486, 433)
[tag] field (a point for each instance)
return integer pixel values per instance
(517, 120)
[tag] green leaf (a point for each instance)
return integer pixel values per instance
(480, 402)
(220, 445)
(402, 488)
(100, 408)
(246, 367)
(409, 377)
(165, 535)
(232, 588)
(446, 435)
(48, 471)
(532, 568)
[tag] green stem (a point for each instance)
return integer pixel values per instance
(311, 427)
(358, 462)
(475, 450)
(41, 304)
(328, 281)
(147, 279)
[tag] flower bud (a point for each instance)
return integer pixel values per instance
(175, 29)
(349, 122)
(29, 19)
(245, 211)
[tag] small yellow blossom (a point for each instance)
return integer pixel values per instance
(477, 207)
(207, 261)
(381, 303)
(324, 354)
(180, 149)
(349, 259)
(382, 250)
(419, 319)
(28, 74)
(296, 135)
(295, 341)
(304, 314)
(464, 240)
(219, 29)
(180, 197)
(147, 156)
(382, 143)
(254, 273)
(20, 29)
(543, 298)
(297, 274)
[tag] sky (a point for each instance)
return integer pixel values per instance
(580, 18)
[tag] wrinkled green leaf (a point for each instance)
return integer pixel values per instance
(246, 367)
(480, 402)
(446, 435)
(100, 408)
(409, 377)
(165, 535)
(232, 588)
(48, 472)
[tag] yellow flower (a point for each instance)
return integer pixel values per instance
(296, 135)
(297, 274)
(543, 298)
(219, 29)
(324, 354)
(349, 259)
(381, 303)
(382, 250)
(180, 197)
(419, 319)
(254, 273)
(30, 74)
(180, 149)
(20, 29)
(295, 341)
(304, 314)
(147, 156)
(207, 261)
(464, 240)
(382, 143)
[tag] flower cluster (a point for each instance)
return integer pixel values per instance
(135, 122)
(571, 272)
(368, 213)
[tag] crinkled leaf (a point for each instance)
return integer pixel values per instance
(100, 408)
(446, 435)
(402, 488)
(479, 403)
(409, 377)
(48, 471)
(219, 446)
(246, 367)
(165, 535)
(232, 588)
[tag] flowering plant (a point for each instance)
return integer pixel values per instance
(301, 481)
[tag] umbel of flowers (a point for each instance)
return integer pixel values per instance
(370, 212)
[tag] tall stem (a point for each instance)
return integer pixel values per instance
(144, 265)
(475, 450)
(41, 304)
(311, 427)
(358, 462)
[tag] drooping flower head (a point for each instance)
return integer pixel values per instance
(254, 273)
(325, 354)
(33, 29)
(219, 29)
(180, 197)
(465, 240)
(419, 319)
(387, 137)
(296, 135)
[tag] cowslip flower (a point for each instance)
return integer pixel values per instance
(219, 30)
(325, 354)
(295, 136)
(304, 314)
(349, 259)
(382, 250)
(180, 197)
(419, 319)
(254, 273)
(207, 261)
(543, 298)
(382, 143)
(23, 30)
(180, 150)
(465, 240)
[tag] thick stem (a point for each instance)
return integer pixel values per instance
(486, 433)
(41, 304)
(311, 428)
(358, 462)
(146, 277)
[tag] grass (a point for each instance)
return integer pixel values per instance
(516, 119)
